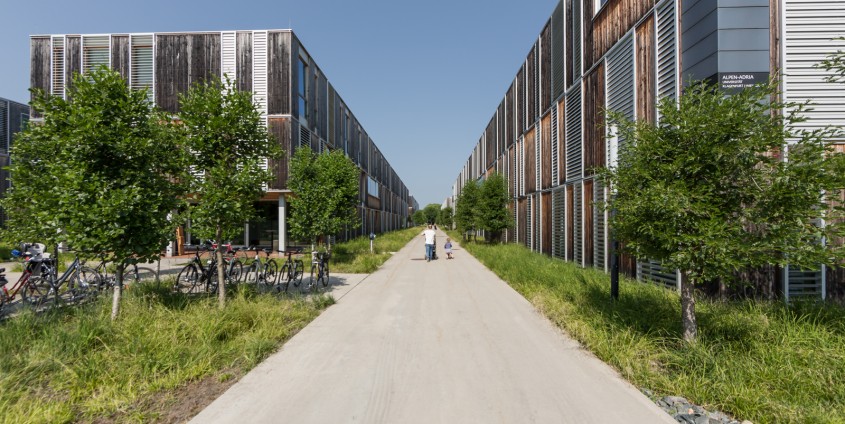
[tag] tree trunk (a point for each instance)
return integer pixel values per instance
(118, 291)
(221, 270)
(688, 308)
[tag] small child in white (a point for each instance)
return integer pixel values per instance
(448, 248)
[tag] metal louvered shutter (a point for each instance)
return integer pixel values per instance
(559, 223)
(142, 67)
(667, 47)
(304, 137)
(95, 52)
(654, 272)
(259, 76)
(599, 227)
(58, 66)
(228, 58)
(529, 222)
(5, 136)
(578, 219)
(575, 22)
(554, 143)
(573, 133)
(558, 52)
(620, 78)
(804, 283)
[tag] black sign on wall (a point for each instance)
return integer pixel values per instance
(734, 81)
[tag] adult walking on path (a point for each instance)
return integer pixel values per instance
(430, 237)
(441, 342)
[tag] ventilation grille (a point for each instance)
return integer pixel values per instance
(666, 50)
(58, 78)
(599, 230)
(554, 143)
(559, 223)
(304, 137)
(654, 272)
(573, 134)
(575, 22)
(95, 52)
(142, 70)
(803, 283)
(259, 77)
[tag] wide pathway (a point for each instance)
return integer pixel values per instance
(439, 342)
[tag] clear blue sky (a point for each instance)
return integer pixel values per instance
(423, 77)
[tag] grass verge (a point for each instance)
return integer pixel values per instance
(76, 365)
(354, 256)
(762, 361)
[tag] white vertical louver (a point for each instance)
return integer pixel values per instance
(573, 133)
(529, 222)
(259, 76)
(559, 223)
(599, 227)
(95, 52)
(667, 50)
(57, 86)
(575, 22)
(554, 143)
(578, 222)
(142, 67)
(228, 59)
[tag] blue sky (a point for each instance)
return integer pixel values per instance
(423, 77)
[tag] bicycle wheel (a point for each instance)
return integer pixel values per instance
(186, 281)
(271, 273)
(38, 292)
(81, 285)
(138, 274)
(312, 280)
(285, 275)
(324, 275)
(235, 272)
(298, 271)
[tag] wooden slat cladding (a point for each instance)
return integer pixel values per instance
(120, 55)
(612, 22)
(530, 161)
(280, 129)
(545, 61)
(561, 140)
(490, 140)
(244, 60)
(181, 61)
(546, 152)
(531, 89)
(588, 223)
(39, 65)
(278, 73)
(645, 71)
(522, 226)
(594, 134)
(73, 60)
(546, 223)
(510, 98)
(500, 129)
(520, 101)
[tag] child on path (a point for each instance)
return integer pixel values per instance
(448, 248)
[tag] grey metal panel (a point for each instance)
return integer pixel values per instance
(686, 5)
(743, 3)
(744, 17)
(620, 78)
(744, 61)
(692, 15)
(744, 39)
(693, 33)
(704, 50)
(704, 69)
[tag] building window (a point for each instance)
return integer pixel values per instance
(372, 187)
(302, 91)
(599, 4)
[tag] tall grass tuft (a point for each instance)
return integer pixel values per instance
(767, 362)
(76, 365)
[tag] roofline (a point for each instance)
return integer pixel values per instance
(160, 32)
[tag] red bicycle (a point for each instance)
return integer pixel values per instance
(37, 266)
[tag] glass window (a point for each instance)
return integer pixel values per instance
(302, 90)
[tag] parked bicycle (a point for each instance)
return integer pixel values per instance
(196, 276)
(319, 272)
(264, 273)
(77, 283)
(36, 264)
(132, 273)
(292, 269)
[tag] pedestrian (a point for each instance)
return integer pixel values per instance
(448, 248)
(429, 236)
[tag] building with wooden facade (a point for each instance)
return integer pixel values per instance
(547, 135)
(13, 118)
(299, 105)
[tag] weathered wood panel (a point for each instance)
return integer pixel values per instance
(530, 161)
(531, 90)
(570, 223)
(244, 60)
(280, 129)
(510, 99)
(39, 66)
(490, 140)
(594, 133)
(322, 105)
(522, 214)
(546, 223)
(500, 129)
(545, 61)
(611, 23)
(120, 55)
(73, 60)
(181, 61)
(546, 152)
(561, 141)
(646, 108)
(520, 102)
(587, 215)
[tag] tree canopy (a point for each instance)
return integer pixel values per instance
(466, 207)
(492, 212)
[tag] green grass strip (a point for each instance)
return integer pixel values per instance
(74, 364)
(767, 362)
(354, 256)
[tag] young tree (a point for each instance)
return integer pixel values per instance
(445, 218)
(493, 215)
(222, 126)
(418, 217)
(432, 212)
(325, 188)
(101, 173)
(707, 191)
(466, 207)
